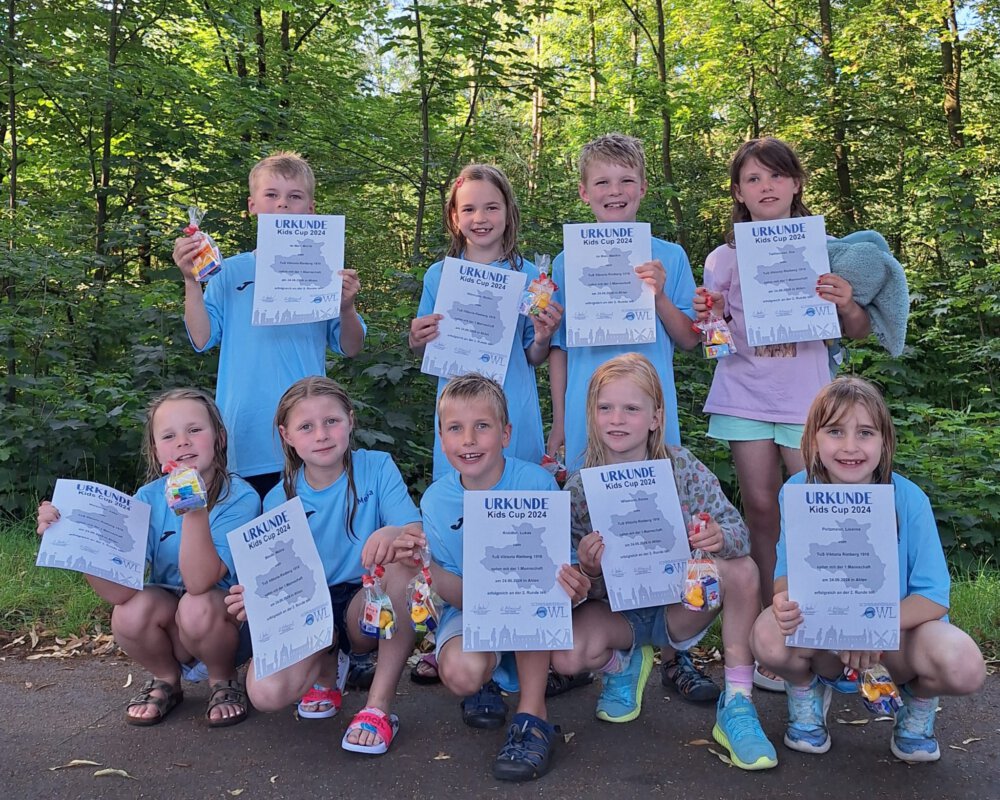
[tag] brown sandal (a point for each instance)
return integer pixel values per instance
(172, 696)
(226, 693)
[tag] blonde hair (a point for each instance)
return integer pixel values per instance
(473, 387)
(637, 369)
(512, 220)
(289, 165)
(218, 487)
(833, 402)
(317, 386)
(613, 148)
(773, 154)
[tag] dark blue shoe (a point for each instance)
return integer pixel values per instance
(485, 708)
(527, 753)
(683, 676)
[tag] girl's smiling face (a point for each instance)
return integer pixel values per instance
(182, 432)
(624, 417)
(318, 428)
(481, 216)
(767, 193)
(850, 448)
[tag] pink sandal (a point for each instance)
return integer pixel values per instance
(320, 702)
(373, 720)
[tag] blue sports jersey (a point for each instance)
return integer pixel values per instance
(257, 364)
(382, 500)
(582, 361)
(526, 440)
(163, 546)
(923, 569)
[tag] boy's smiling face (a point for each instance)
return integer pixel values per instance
(613, 191)
(274, 194)
(473, 439)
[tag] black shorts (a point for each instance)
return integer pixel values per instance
(341, 595)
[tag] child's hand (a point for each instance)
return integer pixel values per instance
(185, 249)
(424, 329)
(705, 301)
(787, 613)
(705, 534)
(351, 287)
(653, 274)
(589, 552)
(860, 659)
(408, 544)
(547, 321)
(574, 583)
(557, 438)
(47, 515)
(235, 605)
(378, 549)
(836, 289)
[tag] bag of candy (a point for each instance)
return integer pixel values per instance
(701, 586)
(421, 599)
(378, 619)
(184, 490)
(878, 689)
(538, 294)
(208, 259)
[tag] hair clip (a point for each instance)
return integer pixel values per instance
(459, 181)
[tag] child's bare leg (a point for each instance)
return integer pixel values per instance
(392, 653)
(209, 633)
(532, 672)
(144, 627)
(597, 632)
(464, 673)
(282, 688)
(937, 658)
(739, 584)
(794, 664)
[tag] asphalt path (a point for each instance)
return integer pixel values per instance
(57, 710)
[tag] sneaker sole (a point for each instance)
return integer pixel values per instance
(919, 757)
(761, 763)
(805, 747)
(644, 672)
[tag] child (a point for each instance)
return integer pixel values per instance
(179, 618)
(625, 421)
(360, 515)
(474, 429)
(760, 395)
(282, 183)
(849, 438)
(483, 219)
(613, 183)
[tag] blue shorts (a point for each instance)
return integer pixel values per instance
(450, 626)
(649, 626)
(738, 429)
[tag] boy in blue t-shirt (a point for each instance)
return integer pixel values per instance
(474, 429)
(257, 363)
(613, 183)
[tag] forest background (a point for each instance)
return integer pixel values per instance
(120, 114)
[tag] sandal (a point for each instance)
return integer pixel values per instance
(172, 696)
(226, 693)
(485, 708)
(374, 720)
(320, 702)
(557, 684)
(527, 753)
(425, 671)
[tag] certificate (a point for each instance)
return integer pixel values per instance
(638, 513)
(606, 302)
(297, 277)
(285, 593)
(514, 544)
(780, 263)
(843, 565)
(480, 309)
(100, 532)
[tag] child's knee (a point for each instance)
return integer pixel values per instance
(199, 615)
(766, 640)
(965, 670)
(269, 695)
(739, 577)
(463, 675)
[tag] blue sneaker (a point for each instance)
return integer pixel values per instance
(841, 684)
(621, 697)
(738, 730)
(807, 731)
(913, 737)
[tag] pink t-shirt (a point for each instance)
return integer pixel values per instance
(776, 383)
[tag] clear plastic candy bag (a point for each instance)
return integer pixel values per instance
(378, 618)
(701, 586)
(208, 259)
(422, 601)
(878, 690)
(185, 490)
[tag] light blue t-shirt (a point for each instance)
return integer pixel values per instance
(582, 361)
(257, 364)
(526, 440)
(163, 547)
(923, 569)
(382, 500)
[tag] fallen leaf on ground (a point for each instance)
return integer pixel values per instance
(119, 772)
(853, 721)
(34, 639)
(568, 736)
(235, 792)
(43, 686)
(128, 682)
(699, 742)
(885, 719)
(972, 739)
(76, 762)
(180, 764)
(274, 779)
(956, 747)
(28, 684)
(722, 756)
(442, 757)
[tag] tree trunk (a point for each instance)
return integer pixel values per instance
(104, 183)
(8, 287)
(841, 149)
(951, 68)
(425, 137)
(592, 53)
(537, 101)
(668, 168)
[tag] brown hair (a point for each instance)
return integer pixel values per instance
(218, 487)
(639, 370)
(773, 154)
(613, 148)
(287, 164)
(512, 221)
(829, 407)
(472, 387)
(316, 386)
